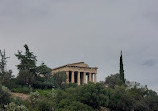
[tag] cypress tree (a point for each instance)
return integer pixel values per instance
(121, 70)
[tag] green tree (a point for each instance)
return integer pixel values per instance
(25, 77)
(69, 100)
(60, 78)
(138, 94)
(27, 66)
(121, 70)
(94, 95)
(67, 105)
(112, 80)
(120, 99)
(45, 71)
(27, 60)
(151, 100)
(5, 75)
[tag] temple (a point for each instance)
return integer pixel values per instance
(79, 73)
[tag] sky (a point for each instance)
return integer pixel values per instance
(60, 32)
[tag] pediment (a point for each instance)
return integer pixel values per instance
(79, 64)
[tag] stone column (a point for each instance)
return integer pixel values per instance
(72, 77)
(90, 77)
(67, 74)
(78, 78)
(84, 78)
(95, 77)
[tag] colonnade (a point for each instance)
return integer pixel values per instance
(80, 77)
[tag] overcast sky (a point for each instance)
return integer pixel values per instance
(93, 31)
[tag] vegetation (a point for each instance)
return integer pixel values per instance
(51, 93)
(14, 107)
(5, 75)
(60, 78)
(27, 67)
(122, 78)
(5, 97)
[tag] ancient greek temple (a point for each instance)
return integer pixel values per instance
(79, 73)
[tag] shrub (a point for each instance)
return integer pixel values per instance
(5, 97)
(14, 107)
(21, 89)
(44, 105)
(34, 97)
(67, 105)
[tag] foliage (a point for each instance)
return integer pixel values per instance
(26, 77)
(21, 89)
(60, 78)
(69, 100)
(53, 93)
(94, 95)
(27, 67)
(119, 99)
(44, 84)
(48, 93)
(44, 71)
(67, 105)
(5, 75)
(5, 97)
(7, 78)
(112, 80)
(121, 70)
(44, 105)
(27, 60)
(14, 107)
(151, 99)
(70, 85)
(34, 97)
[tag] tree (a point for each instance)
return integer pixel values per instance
(27, 66)
(5, 75)
(27, 60)
(151, 100)
(120, 99)
(25, 77)
(121, 70)
(93, 95)
(67, 105)
(60, 78)
(112, 80)
(69, 100)
(45, 71)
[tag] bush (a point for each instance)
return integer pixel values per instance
(42, 85)
(14, 107)
(21, 89)
(44, 105)
(44, 93)
(70, 85)
(68, 105)
(5, 97)
(34, 97)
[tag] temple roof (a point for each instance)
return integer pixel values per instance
(77, 64)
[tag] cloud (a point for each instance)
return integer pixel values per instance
(150, 63)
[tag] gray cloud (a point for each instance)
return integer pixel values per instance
(150, 63)
(61, 32)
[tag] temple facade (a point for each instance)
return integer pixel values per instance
(79, 73)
